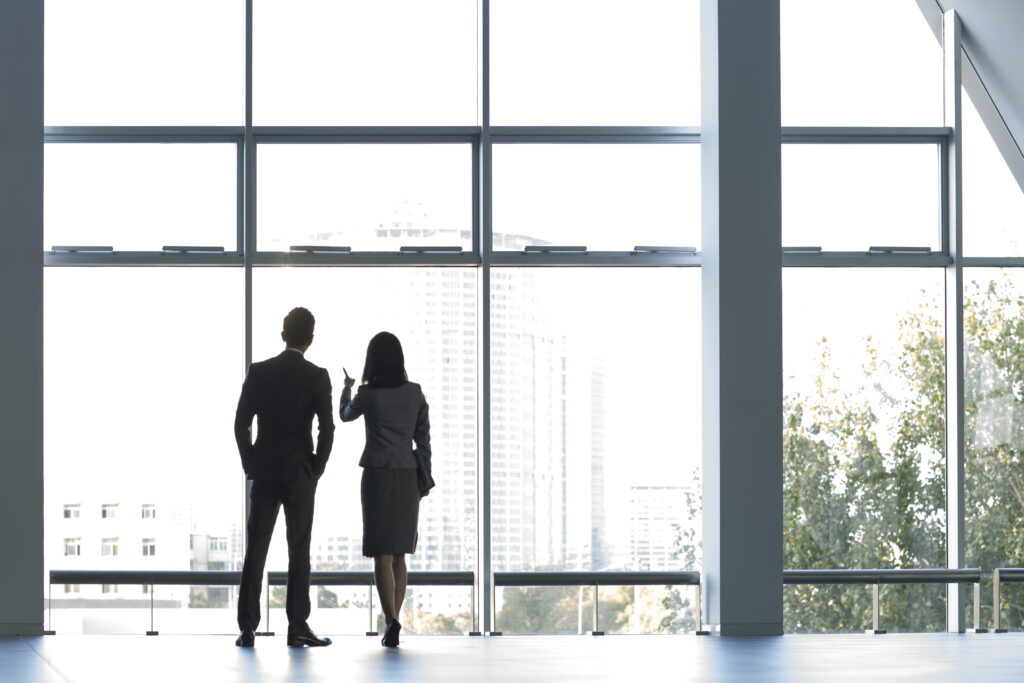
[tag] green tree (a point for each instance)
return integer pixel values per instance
(326, 598)
(994, 436)
(849, 503)
(852, 503)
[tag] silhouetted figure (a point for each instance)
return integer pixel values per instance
(284, 393)
(395, 414)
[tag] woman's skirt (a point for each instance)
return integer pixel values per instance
(391, 509)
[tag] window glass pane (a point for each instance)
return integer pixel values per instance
(606, 197)
(863, 463)
(433, 313)
(595, 423)
(874, 64)
(852, 197)
(581, 62)
(994, 429)
(387, 62)
(368, 197)
(143, 62)
(140, 197)
(142, 370)
(993, 199)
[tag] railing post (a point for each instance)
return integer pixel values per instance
(371, 629)
(995, 602)
(49, 610)
(700, 617)
(875, 610)
(473, 630)
(977, 609)
(152, 628)
(494, 611)
(597, 631)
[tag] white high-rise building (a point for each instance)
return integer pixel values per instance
(656, 516)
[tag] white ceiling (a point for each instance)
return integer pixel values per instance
(993, 73)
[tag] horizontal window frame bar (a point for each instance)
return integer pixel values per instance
(598, 578)
(274, 259)
(594, 134)
(264, 259)
(827, 259)
(624, 259)
(497, 134)
(365, 134)
(143, 134)
(864, 135)
(226, 259)
(803, 577)
(864, 259)
(992, 261)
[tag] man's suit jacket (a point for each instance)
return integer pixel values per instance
(284, 393)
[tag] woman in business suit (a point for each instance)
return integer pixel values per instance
(394, 412)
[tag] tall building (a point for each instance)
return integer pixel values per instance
(657, 515)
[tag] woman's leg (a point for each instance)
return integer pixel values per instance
(401, 575)
(385, 578)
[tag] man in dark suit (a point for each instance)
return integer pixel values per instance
(284, 393)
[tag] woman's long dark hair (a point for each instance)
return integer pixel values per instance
(385, 362)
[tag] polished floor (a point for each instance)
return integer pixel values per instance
(916, 657)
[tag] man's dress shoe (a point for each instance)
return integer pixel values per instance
(246, 639)
(307, 639)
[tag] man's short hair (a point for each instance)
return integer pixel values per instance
(298, 327)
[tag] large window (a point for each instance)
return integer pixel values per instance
(873, 64)
(140, 197)
(355, 170)
(132, 63)
(366, 197)
(851, 197)
(603, 197)
(381, 63)
(864, 466)
(871, 244)
(993, 198)
(433, 311)
(516, 193)
(142, 371)
(585, 63)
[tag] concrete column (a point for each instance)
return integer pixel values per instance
(21, 317)
(741, 279)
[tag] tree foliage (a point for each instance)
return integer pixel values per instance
(865, 479)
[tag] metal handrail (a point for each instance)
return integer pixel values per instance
(344, 578)
(149, 578)
(792, 577)
(595, 579)
(146, 577)
(876, 577)
(233, 578)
